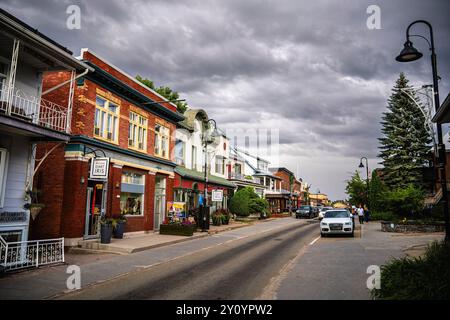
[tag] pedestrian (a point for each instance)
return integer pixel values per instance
(361, 214)
(366, 214)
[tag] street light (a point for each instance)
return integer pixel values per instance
(206, 141)
(409, 53)
(361, 165)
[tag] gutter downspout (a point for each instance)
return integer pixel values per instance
(65, 82)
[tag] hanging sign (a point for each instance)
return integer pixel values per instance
(217, 195)
(99, 169)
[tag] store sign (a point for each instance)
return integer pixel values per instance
(176, 210)
(99, 169)
(217, 195)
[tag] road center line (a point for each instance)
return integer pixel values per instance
(314, 241)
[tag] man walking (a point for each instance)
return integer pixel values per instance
(361, 214)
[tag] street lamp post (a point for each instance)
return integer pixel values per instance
(409, 53)
(205, 196)
(361, 165)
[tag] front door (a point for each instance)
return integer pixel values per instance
(95, 204)
(160, 200)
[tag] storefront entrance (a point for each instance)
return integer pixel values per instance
(95, 207)
(160, 200)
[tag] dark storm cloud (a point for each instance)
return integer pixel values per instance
(313, 70)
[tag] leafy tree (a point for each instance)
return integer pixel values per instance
(166, 92)
(377, 192)
(405, 142)
(356, 190)
(405, 202)
(245, 202)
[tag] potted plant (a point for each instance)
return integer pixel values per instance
(106, 229)
(34, 206)
(185, 228)
(119, 226)
(217, 218)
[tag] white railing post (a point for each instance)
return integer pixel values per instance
(37, 254)
(62, 248)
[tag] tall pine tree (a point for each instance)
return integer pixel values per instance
(405, 142)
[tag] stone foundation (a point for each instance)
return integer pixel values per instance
(387, 226)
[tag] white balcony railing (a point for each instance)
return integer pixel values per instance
(26, 254)
(36, 110)
(240, 176)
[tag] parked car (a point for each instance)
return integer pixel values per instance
(323, 210)
(337, 221)
(305, 211)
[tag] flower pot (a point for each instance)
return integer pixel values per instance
(106, 233)
(119, 230)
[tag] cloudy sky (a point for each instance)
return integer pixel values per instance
(310, 69)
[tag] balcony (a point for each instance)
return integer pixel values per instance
(241, 177)
(35, 110)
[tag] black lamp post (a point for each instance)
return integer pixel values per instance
(361, 165)
(409, 53)
(205, 216)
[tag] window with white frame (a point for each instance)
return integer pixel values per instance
(3, 170)
(162, 135)
(137, 132)
(220, 165)
(106, 120)
(179, 152)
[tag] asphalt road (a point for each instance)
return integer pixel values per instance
(237, 269)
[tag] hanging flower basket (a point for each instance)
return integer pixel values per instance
(35, 209)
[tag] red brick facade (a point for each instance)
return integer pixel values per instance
(63, 176)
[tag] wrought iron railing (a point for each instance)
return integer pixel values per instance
(30, 254)
(36, 110)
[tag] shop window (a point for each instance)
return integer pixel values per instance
(132, 193)
(137, 132)
(106, 120)
(162, 135)
(179, 152)
(3, 170)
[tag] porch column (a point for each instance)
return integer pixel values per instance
(12, 76)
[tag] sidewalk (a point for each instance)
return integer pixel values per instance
(51, 281)
(336, 267)
(148, 241)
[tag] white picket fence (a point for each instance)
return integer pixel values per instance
(30, 254)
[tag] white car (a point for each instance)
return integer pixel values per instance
(337, 221)
(323, 210)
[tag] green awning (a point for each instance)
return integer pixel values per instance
(200, 176)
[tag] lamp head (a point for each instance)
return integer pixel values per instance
(409, 53)
(361, 165)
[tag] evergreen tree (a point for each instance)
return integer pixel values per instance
(405, 142)
(377, 192)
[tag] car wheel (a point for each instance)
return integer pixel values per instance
(322, 235)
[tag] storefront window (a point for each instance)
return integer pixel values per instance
(132, 193)
(131, 203)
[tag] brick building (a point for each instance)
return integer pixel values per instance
(114, 117)
(289, 194)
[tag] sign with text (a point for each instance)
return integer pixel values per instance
(99, 169)
(217, 195)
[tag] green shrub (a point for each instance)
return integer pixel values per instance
(242, 201)
(423, 278)
(258, 205)
(383, 216)
(405, 202)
